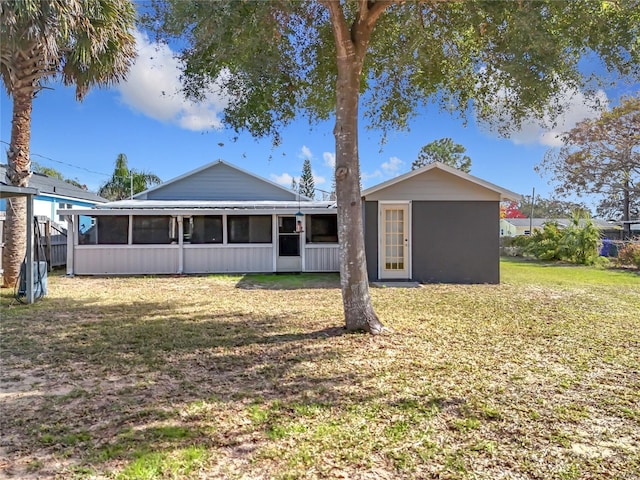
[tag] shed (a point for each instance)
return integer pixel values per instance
(434, 224)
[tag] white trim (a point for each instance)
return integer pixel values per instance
(504, 193)
(409, 243)
(274, 242)
(72, 223)
(180, 220)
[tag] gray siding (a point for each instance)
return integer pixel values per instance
(456, 242)
(452, 242)
(435, 185)
(219, 182)
(371, 238)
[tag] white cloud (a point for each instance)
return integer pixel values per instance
(547, 131)
(284, 179)
(329, 159)
(318, 179)
(305, 152)
(153, 88)
(392, 167)
(368, 176)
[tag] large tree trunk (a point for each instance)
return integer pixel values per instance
(358, 309)
(18, 172)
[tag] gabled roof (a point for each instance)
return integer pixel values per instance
(198, 171)
(503, 192)
(51, 186)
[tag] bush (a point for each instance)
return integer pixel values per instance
(578, 243)
(629, 255)
(545, 244)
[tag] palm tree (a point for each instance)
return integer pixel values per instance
(83, 43)
(124, 183)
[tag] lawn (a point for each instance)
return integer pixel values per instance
(253, 378)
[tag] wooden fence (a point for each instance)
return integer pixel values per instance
(53, 241)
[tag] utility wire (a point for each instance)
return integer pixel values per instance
(70, 164)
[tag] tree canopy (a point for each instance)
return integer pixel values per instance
(126, 182)
(446, 151)
(83, 43)
(602, 156)
(551, 207)
(278, 60)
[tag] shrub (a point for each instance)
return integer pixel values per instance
(580, 240)
(545, 244)
(578, 243)
(629, 255)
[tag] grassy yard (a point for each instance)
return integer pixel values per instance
(253, 378)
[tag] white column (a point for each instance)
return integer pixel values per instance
(180, 244)
(72, 223)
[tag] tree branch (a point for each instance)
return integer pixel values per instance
(344, 45)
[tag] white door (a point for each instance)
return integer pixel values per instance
(394, 241)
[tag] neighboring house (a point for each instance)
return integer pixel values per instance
(55, 194)
(440, 225)
(523, 226)
(507, 229)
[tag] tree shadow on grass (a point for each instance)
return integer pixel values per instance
(289, 281)
(90, 384)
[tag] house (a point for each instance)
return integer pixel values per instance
(432, 224)
(55, 194)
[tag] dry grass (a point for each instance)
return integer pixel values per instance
(251, 377)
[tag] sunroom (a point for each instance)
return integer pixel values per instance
(191, 237)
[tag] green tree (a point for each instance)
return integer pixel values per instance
(83, 43)
(126, 182)
(602, 156)
(307, 184)
(48, 171)
(282, 58)
(550, 207)
(53, 173)
(444, 151)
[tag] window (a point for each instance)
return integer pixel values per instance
(63, 206)
(103, 230)
(204, 229)
(154, 230)
(249, 228)
(322, 229)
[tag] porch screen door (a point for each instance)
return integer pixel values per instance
(394, 261)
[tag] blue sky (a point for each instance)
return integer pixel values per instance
(147, 119)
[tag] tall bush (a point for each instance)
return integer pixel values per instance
(577, 243)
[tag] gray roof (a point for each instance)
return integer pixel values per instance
(47, 185)
(562, 222)
(203, 207)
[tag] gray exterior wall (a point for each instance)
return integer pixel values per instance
(455, 242)
(371, 238)
(452, 242)
(219, 182)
